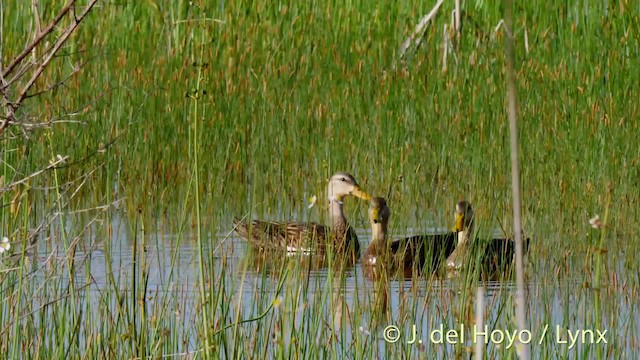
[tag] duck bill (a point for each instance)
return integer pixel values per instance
(459, 224)
(357, 191)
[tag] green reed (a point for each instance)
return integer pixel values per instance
(295, 92)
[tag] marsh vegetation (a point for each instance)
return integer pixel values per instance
(157, 122)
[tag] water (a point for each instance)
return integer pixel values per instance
(422, 312)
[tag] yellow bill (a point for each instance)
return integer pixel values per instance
(459, 224)
(375, 215)
(357, 191)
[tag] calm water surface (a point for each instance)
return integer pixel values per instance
(557, 303)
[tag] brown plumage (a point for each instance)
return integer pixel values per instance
(296, 236)
(311, 236)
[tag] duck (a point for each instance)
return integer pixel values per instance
(309, 237)
(463, 227)
(424, 253)
(494, 255)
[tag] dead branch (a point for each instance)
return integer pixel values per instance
(420, 28)
(76, 69)
(51, 165)
(38, 39)
(12, 106)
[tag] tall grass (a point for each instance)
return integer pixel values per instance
(294, 92)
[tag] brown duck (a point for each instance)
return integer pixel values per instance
(309, 236)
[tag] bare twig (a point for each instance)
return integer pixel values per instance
(69, 255)
(58, 163)
(13, 106)
(61, 40)
(23, 180)
(76, 69)
(31, 126)
(44, 306)
(521, 299)
(420, 28)
(38, 39)
(10, 114)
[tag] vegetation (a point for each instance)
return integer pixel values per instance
(169, 118)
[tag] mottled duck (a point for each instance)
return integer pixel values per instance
(493, 255)
(424, 253)
(309, 237)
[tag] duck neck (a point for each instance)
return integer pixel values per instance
(465, 235)
(378, 232)
(336, 212)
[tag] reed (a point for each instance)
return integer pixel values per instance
(124, 250)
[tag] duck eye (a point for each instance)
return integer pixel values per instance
(343, 179)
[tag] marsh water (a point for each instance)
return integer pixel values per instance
(559, 305)
(192, 113)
